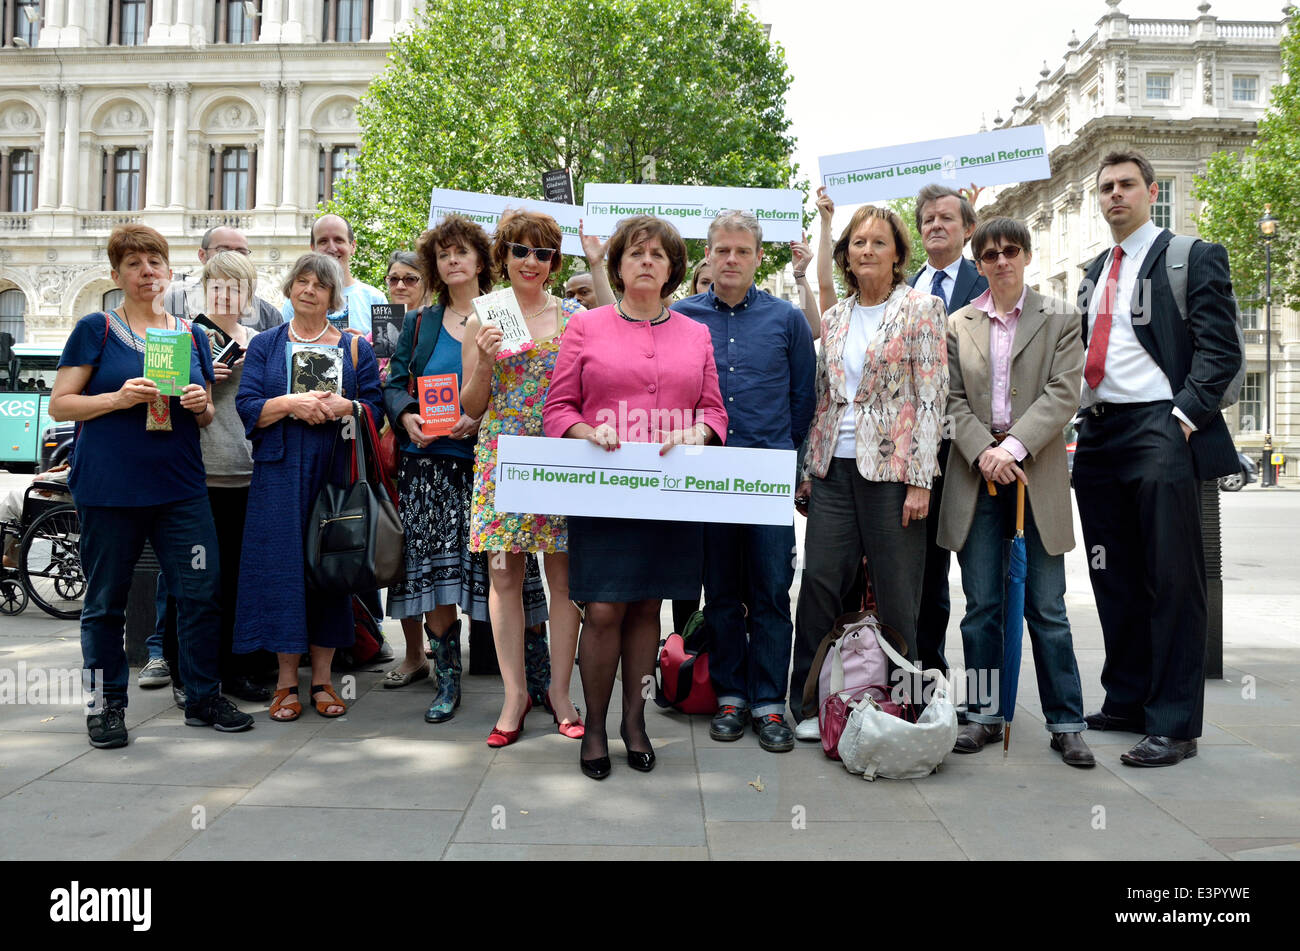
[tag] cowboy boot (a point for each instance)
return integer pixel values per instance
(446, 675)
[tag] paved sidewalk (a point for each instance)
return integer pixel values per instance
(380, 783)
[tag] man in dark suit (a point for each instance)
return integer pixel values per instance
(946, 220)
(1151, 431)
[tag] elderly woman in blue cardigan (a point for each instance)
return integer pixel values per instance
(293, 439)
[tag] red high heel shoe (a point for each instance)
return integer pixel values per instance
(498, 738)
(574, 731)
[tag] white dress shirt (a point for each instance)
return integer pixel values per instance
(949, 282)
(1132, 374)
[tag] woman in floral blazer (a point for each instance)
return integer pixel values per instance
(882, 383)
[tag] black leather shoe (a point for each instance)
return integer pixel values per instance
(1074, 751)
(596, 768)
(178, 696)
(773, 733)
(245, 688)
(972, 737)
(1159, 751)
(728, 724)
(641, 762)
(1104, 721)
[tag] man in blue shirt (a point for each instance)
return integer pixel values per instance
(766, 366)
(332, 235)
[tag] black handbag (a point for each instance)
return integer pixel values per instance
(354, 537)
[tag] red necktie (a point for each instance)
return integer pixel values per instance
(1095, 369)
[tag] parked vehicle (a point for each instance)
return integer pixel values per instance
(56, 444)
(1239, 480)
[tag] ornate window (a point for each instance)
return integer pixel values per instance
(347, 21)
(1162, 211)
(1245, 88)
(332, 165)
(13, 304)
(1160, 86)
(1250, 408)
(236, 21)
(18, 175)
(128, 22)
(123, 180)
(231, 174)
(22, 22)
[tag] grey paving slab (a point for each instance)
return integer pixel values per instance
(872, 841)
(28, 756)
(551, 803)
(292, 833)
(397, 772)
(471, 852)
(1279, 740)
(1021, 811)
(179, 755)
(1228, 773)
(803, 779)
(1286, 852)
(98, 821)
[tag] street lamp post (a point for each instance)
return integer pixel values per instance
(1268, 231)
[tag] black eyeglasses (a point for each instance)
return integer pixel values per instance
(990, 256)
(522, 251)
(406, 280)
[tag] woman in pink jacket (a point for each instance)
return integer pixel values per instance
(632, 372)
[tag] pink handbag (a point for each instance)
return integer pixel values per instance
(834, 713)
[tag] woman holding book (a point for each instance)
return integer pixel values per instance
(511, 389)
(435, 475)
(623, 568)
(137, 476)
(294, 437)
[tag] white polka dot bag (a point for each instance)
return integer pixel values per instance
(876, 743)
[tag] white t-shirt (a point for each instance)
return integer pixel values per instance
(863, 324)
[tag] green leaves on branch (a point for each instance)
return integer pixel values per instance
(487, 96)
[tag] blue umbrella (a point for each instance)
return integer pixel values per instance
(1013, 632)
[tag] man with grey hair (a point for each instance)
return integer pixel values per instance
(946, 220)
(766, 366)
(185, 297)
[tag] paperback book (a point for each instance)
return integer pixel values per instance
(167, 359)
(501, 309)
(315, 366)
(439, 403)
(386, 322)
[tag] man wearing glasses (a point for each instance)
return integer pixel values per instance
(185, 296)
(333, 236)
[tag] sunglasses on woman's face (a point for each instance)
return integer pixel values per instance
(406, 280)
(522, 251)
(990, 256)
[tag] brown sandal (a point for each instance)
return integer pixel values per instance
(323, 705)
(293, 706)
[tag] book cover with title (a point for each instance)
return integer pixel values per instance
(501, 309)
(439, 403)
(315, 366)
(386, 322)
(167, 359)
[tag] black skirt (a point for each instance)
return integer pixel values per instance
(631, 559)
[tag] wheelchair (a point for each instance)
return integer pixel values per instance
(48, 569)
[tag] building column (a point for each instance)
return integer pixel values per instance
(158, 148)
(71, 144)
(270, 26)
(253, 190)
(181, 32)
(331, 23)
(74, 29)
(49, 180)
(408, 13)
(109, 179)
(268, 161)
(180, 126)
(4, 178)
(53, 26)
(292, 26)
(289, 182)
(159, 32)
(382, 22)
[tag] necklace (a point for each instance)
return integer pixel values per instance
(464, 318)
(659, 318)
(540, 312)
(863, 303)
(294, 334)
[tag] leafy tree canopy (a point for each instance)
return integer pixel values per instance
(487, 96)
(1236, 188)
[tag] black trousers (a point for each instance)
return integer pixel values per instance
(849, 517)
(1139, 502)
(936, 605)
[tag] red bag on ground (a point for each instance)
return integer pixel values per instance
(684, 682)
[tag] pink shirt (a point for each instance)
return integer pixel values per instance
(1002, 335)
(643, 379)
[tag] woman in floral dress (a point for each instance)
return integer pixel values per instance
(512, 391)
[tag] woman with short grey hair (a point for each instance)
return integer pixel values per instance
(293, 436)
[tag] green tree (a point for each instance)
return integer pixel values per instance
(1236, 188)
(487, 96)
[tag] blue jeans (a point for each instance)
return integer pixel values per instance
(984, 561)
(111, 541)
(749, 566)
(154, 642)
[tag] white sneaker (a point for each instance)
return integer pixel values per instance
(808, 731)
(154, 674)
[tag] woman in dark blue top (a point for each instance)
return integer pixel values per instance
(294, 438)
(435, 476)
(138, 475)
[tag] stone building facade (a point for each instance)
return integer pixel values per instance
(180, 114)
(1178, 91)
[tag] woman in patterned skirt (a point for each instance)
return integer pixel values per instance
(436, 474)
(512, 390)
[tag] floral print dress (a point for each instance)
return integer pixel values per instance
(519, 385)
